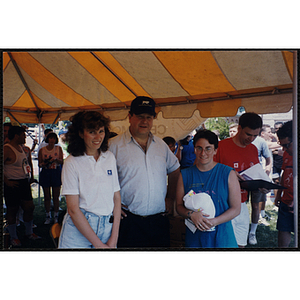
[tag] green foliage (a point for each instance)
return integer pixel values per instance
(219, 124)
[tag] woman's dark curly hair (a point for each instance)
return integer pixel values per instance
(86, 120)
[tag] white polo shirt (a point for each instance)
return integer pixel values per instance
(94, 181)
(143, 176)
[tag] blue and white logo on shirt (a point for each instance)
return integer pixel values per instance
(109, 172)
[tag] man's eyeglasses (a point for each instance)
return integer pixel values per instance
(207, 150)
(287, 146)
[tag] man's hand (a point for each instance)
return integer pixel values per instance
(169, 206)
(12, 184)
(123, 214)
(240, 177)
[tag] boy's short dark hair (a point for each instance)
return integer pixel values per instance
(251, 120)
(13, 130)
(169, 140)
(286, 131)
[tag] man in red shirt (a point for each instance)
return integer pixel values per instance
(285, 199)
(239, 153)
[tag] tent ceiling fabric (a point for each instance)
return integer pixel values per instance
(42, 86)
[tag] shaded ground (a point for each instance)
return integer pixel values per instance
(266, 235)
(45, 243)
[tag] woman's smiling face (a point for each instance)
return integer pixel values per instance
(204, 152)
(93, 139)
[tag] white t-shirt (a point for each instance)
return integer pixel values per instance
(94, 181)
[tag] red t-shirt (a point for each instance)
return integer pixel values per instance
(237, 157)
(287, 179)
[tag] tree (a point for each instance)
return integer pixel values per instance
(220, 125)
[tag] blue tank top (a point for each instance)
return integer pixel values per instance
(214, 183)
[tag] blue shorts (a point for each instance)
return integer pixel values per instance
(50, 177)
(70, 236)
(285, 221)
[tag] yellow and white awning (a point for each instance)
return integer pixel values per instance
(188, 86)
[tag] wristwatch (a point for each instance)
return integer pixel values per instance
(181, 147)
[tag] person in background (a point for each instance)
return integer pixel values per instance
(270, 138)
(170, 141)
(6, 127)
(27, 151)
(233, 129)
(221, 184)
(185, 153)
(43, 142)
(285, 199)
(239, 153)
(272, 143)
(90, 185)
(258, 199)
(17, 191)
(50, 160)
(143, 162)
(276, 149)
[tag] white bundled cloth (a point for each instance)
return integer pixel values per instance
(199, 202)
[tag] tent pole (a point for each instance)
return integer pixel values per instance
(295, 145)
(23, 81)
(55, 119)
(14, 117)
(39, 191)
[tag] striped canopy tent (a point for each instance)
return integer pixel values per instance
(188, 86)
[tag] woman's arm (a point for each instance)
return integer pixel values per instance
(181, 210)
(60, 158)
(81, 222)
(31, 166)
(196, 217)
(40, 159)
(112, 242)
(234, 201)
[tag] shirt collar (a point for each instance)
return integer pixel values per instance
(103, 155)
(129, 137)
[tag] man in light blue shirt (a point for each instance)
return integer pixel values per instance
(148, 173)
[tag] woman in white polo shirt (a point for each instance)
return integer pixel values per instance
(90, 185)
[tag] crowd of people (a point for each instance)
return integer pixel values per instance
(121, 189)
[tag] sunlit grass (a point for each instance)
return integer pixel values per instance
(267, 235)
